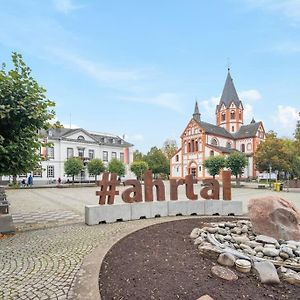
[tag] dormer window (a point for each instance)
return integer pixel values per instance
(80, 138)
(232, 115)
(223, 116)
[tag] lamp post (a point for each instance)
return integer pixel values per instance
(270, 170)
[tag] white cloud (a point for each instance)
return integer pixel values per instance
(96, 70)
(286, 116)
(288, 8)
(167, 100)
(65, 6)
(248, 113)
(250, 95)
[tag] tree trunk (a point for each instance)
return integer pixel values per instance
(96, 179)
(237, 180)
(73, 179)
(14, 179)
(214, 176)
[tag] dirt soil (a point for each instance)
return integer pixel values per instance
(161, 262)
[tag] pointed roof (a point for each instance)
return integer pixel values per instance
(196, 114)
(229, 93)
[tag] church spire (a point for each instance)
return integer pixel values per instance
(196, 114)
(229, 93)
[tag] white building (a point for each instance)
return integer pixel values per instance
(66, 143)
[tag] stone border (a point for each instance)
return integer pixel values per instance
(86, 282)
(95, 214)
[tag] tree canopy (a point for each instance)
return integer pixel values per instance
(24, 110)
(273, 152)
(214, 164)
(157, 161)
(96, 167)
(73, 166)
(138, 168)
(169, 148)
(116, 166)
(236, 162)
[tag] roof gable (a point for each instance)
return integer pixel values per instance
(79, 134)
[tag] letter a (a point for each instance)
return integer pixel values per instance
(136, 190)
(212, 186)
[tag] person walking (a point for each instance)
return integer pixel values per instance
(30, 180)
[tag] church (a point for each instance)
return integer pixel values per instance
(200, 140)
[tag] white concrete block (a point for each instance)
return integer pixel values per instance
(140, 210)
(213, 207)
(177, 207)
(232, 207)
(94, 214)
(195, 207)
(159, 208)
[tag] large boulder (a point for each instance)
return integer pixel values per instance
(275, 217)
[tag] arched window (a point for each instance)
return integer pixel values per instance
(243, 147)
(196, 146)
(211, 153)
(232, 115)
(223, 116)
(189, 147)
(228, 145)
(81, 138)
(177, 157)
(249, 146)
(232, 128)
(214, 141)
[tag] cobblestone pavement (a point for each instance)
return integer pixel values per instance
(42, 264)
(45, 217)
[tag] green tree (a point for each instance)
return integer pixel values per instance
(297, 136)
(57, 124)
(214, 164)
(272, 153)
(116, 166)
(137, 155)
(96, 167)
(138, 168)
(169, 148)
(73, 166)
(236, 162)
(24, 110)
(157, 161)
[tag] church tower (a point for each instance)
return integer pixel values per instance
(229, 111)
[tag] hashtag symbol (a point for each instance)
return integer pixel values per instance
(107, 188)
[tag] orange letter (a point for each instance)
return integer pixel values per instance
(174, 188)
(226, 178)
(213, 186)
(189, 187)
(136, 189)
(148, 185)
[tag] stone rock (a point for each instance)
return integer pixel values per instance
(272, 252)
(195, 233)
(260, 254)
(244, 229)
(275, 217)
(259, 249)
(199, 240)
(289, 275)
(205, 297)
(230, 225)
(250, 251)
(222, 231)
(287, 250)
(240, 239)
(266, 272)
(243, 246)
(236, 230)
(212, 229)
(297, 252)
(291, 246)
(224, 273)
(265, 239)
(269, 246)
(243, 265)
(284, 255)
(226, 259)
(253, 244)
(210, 251)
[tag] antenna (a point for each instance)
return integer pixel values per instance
(228, 64)
(70, 120)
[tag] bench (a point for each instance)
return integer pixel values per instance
(261, 186)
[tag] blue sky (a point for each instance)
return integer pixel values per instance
(136, 67)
